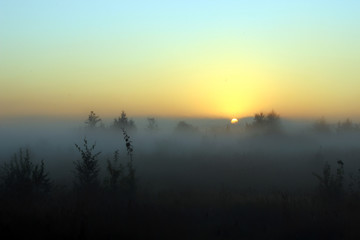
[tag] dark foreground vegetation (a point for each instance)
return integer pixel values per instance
(112, 200)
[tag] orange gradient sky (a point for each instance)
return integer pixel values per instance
(180, 58)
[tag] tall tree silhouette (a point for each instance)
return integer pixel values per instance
(87, 170)
(92, 120)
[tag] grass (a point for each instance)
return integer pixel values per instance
(330, 212)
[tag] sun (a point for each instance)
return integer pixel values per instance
(234, 120)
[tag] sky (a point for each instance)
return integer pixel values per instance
(180, 58)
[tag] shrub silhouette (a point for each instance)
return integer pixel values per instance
(330, 185)
(116, 173)
(22, 178)
(87, 170)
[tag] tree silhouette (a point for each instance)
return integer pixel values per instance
(123, 122)
(121, 178)
(116, 171)
(87, 170)
(152, 125)
(346, 126)
(183, 126)
(272, 117)
(321, 126)
(269, 123)
(92, 120)
(259, 119)
(331, 185)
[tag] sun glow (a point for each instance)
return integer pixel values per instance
(218, 72)
(234, 120)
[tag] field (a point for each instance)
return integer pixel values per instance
(222, 183)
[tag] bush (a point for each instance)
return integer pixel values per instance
(330, 185)
(22, 178)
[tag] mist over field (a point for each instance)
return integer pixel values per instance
(213, 155)
(260, 176)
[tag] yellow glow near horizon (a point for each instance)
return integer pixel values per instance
(234, 120)
(166, 59)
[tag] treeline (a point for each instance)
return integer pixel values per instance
(268, 123)
(271, 123)
(346, 126)
(121, 122)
